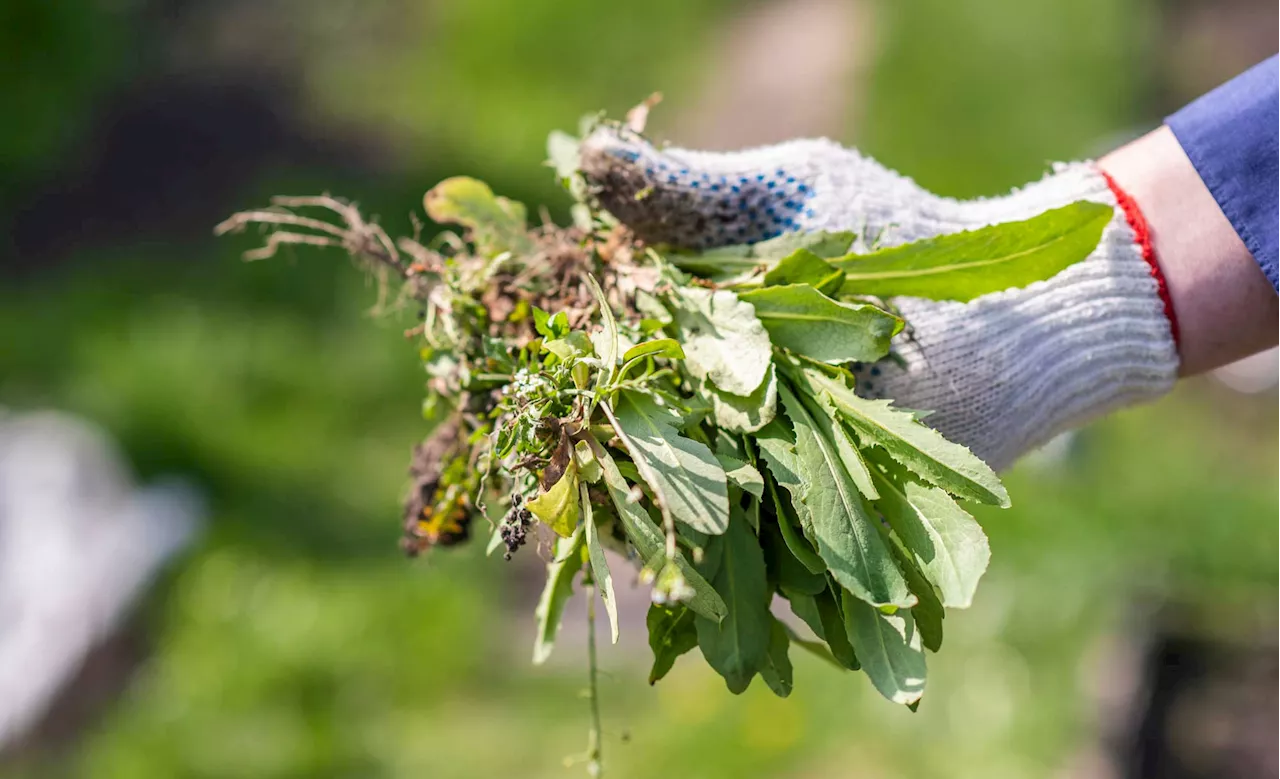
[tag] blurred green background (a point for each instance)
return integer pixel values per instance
(294, 640)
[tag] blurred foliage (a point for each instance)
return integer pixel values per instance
(295, 641)
(58, 57)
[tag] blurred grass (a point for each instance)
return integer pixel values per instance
(295, 641)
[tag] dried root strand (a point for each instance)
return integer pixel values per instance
(363, 239)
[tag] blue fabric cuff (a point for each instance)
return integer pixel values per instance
(1229, 135)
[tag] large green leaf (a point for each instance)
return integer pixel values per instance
(888, 647)
(841, 522)
(599, 565)
(802, 319)
(737, 647)
(683, 473)
(922, 449)
(946, 542)
(496, 224)
(723, 341)
(565, 564)
(962, 266)
(647, 537)
(671, 633)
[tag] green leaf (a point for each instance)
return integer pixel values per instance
(824, 244)
(742, 475)
(804, 267)
(748, 414)
(550, 327)
(599, 565)
(946, 542)
(565, 564)
(496, 224)
(740, 258)
(671, 633)
(588, 468)
(609, 354)
(778, 448)
(962, 266)
(784, 569)
(573, 346)
(888, 646)
(557, 506)
(737, 647)
(928, 611)
(822, 614)
(815, 648)
(922, 449)
(647, 537)
(776, 672)
(661, 347)
(683, 473)
(841, 523)
(723, 341)
(802, 319)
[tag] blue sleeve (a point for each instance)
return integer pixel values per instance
(1230, 137)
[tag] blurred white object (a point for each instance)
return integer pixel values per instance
(78, 545)
(1252, 374)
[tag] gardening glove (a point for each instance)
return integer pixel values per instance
(1002, 373)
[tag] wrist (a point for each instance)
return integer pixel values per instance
(1224, 305)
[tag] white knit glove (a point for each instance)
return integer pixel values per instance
(1002, 373)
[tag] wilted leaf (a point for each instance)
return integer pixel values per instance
(557, 506)
(962, 266)
(496, 224)
(723, 341)
(888, 646)
(802, 319)
(683, 473)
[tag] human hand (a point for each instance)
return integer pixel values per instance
(1002, 373)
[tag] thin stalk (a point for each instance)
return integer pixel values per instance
(594, 765)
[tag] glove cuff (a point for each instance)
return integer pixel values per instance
(1008, 371)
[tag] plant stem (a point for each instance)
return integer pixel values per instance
(594, 765)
